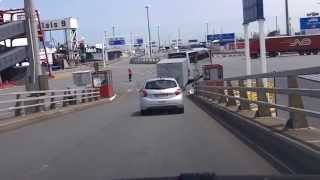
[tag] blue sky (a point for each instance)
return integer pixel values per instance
(190, 16)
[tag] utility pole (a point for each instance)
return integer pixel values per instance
(113, 31)
(207, 32)
(277, 23)
(35, 69)
(149, 32)
(159, 40)
(287, 18)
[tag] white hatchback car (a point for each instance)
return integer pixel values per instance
(161, 93)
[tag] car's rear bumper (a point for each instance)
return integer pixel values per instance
(150, 104)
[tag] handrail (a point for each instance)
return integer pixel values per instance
(38, 99)
(288, 91)
(46, 91)
(296, 72)
(270, 105)
(293, 101)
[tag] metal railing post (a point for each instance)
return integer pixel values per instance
(263, 111)
(75, 101)
(222, 99)
(83, 96)
(52, 100)
(230, 102)
(96, 94)
(64, 103)
(89, 95)
(18, 112)
(296, 119)
(244, 105)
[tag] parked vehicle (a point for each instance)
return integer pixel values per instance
(161, 93)
(174, 68)
(302, 44)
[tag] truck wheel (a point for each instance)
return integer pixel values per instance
(315, 52)
(301, 53)
(308, 53)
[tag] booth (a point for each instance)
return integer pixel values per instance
(103, 81)
(213, 75)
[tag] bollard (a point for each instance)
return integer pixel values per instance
(230, 102)
(52, 101)
(297, 119)
(263, 111)
(244, 105)
(18, 112)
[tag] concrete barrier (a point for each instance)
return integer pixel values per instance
(286, 153)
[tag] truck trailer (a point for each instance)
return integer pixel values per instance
(302, 44)
(174, 68)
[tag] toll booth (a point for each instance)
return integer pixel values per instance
(213, 74)
(103, 81)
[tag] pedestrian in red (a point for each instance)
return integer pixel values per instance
(130, 74)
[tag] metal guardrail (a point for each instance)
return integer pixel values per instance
(36, 101)
(236, 90)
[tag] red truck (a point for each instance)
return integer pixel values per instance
(302, 44)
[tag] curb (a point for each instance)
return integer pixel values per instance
(23, 121)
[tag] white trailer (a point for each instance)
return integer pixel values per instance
(174, 68)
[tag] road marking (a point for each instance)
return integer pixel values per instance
(129, 90)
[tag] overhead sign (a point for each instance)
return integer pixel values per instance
(252, 10)
(222, 38)
(310, 25)
(193, 41)
(119, 41)
(59, 24)
(139, 41)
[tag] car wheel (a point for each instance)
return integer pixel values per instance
(143, 112)
(181, 110)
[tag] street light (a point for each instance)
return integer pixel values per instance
(159, 41)
(287, 18)
(149, 32)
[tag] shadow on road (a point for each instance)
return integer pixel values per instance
(156, 113)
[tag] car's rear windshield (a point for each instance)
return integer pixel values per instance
(161, 84)
(177, 55)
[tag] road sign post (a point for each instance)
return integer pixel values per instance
(247, 51)
(253, 11)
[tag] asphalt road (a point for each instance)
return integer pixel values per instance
(114, 141)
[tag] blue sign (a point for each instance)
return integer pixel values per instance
(252, 10)
(139, 41)
(117, 41)
(222, 38)
(310, 23)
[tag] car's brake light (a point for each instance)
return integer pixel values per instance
(144, 93)
(178, 92)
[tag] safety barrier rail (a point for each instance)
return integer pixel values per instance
(235, 92)
(28, 102)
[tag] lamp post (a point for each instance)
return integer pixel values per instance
(35, 69)
(149, 32)
(287, 18)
